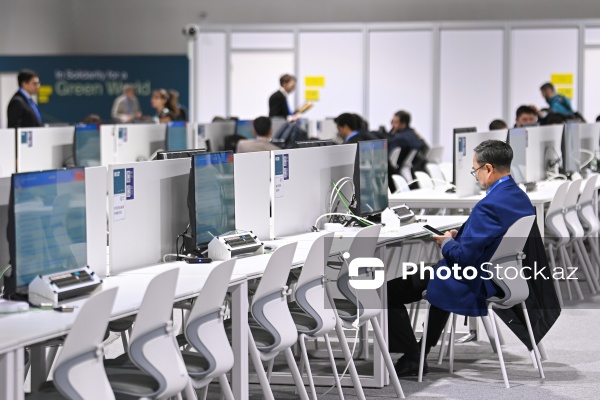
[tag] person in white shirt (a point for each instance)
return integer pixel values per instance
(126, 107)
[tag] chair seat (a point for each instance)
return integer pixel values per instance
(345, 309)
(119, 362)
(195, 363)
(304, 322)
(131, 383)
(262, 338)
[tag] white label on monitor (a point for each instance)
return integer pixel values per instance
(278, 186)
(119, 207)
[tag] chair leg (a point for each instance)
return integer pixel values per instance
(336, 377)
(590, 266)
(499, 331)
(532, 339)
(553, 268)
(205, 392)
(190, 393)
(542, 350)
(452, 333)
(423, 344)
(584, 266)
(497, 340)
(595, 253)
(306, 364)
(445, 332)
(260, 371)
(51, 356)
(383, 347)
(124, 341)
(270, 369)
(567, 262)
(490, 332)
(296, 374)
(225, 388)
(349, 360)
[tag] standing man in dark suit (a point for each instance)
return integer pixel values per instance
(278, 102)
(22, 111)
(349, 128)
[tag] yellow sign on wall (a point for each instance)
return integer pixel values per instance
(314, 81)
(311, 95)
(562, 79)
(565, 91)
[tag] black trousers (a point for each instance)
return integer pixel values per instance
(403, 291)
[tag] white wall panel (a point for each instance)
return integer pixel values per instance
(591, 90)
(212, 47)
(592, 36)
(262, 40)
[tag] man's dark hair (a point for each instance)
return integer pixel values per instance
(347, 119)
(547, 86)
(404, 117)
(262, 126)
(494, 152)
(25, 75)
(598, 118)
(555, 119)
(525, 110)
(286, 78)
(497, 124)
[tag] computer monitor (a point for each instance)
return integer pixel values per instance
(571, 148)
(314, 143)
(371, 177)
(457, 131)
(86, 146)
(176, 136)
(211, 200)
(245, 128)
(170, 155)
(47, 225)
(517, 139)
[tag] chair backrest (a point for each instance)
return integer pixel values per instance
(406, 167)
(204, 328)
(555, 219)
(269, 304)
(394, 155)
(570, 210)
(435, 154)
(153, 348)
(400, 183)
(363, 246)
(424, 180)
(436, 174)
(585, 206)
(506, 264)
(79, 371)
(310, 293)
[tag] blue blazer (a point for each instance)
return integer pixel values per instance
(475, 244)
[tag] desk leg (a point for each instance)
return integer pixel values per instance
(541, 219)
(239, 320)
(12, 375)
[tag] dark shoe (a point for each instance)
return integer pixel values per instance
(407, 367)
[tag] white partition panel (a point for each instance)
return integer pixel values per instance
(590, 141)
(536, 54)
(7, 152)
(254, 78)
(144, 227)
(262, 40)
(4, 197)
(401, 78)
(338, 57)
(252, 172)
(212, 136)
(301, 182)
(471, 81)
(96, 219)
(543, 144)
(591, 90)
(137, 142)
(212, 71)
(108, 144)
(43, 148)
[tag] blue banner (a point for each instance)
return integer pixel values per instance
(74, 87)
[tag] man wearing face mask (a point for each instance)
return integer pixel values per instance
(473, 245)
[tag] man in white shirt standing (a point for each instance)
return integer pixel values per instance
(126, 107)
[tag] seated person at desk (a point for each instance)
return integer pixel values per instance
(497, 125)
(349, 129)
(405, 137)
(472, 245)
(526, 115)
(263, 132)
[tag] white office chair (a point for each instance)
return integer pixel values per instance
(205, 332)
(153, 368)
(406, 167)
(272, 329)
(400, 184)
(558, 238)
(424, 180)
(363, 246)
(79, 371)
(436, 174)
(315, 317)
(589, 219)
(393, 157)
(435, 154)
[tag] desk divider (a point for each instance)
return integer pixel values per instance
(7, 152)
(95, 218)
(215, 133)
(301, 183)
(43, 148)
(538, 139)
(108, 144)
(252, 176)
(139, 141)
(147, 210)
(4, 197)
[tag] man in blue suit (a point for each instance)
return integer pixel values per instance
(472, 245)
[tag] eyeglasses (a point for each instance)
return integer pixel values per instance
(474, 171)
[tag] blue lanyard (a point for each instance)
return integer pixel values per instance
(499, 181)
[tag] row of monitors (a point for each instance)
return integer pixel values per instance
(47, 209)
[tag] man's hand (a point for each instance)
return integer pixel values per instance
(440, 239)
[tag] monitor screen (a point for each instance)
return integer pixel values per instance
(457, 131)
(517, 139)
(176, 136)
(87, 146)
(49, 233)
(214, 202)
(571, 148)
(371, 177)
(245, 129)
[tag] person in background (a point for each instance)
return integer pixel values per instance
(405, 137)
(278, 102)
(263, 131)
(22, 112)
(126, 107)
(526, 115)
(167, 116)
(557, 102)
(555, 119)
(92, 119)
(348, 126)
(497, 125)
(178, 109)
(160, 102)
